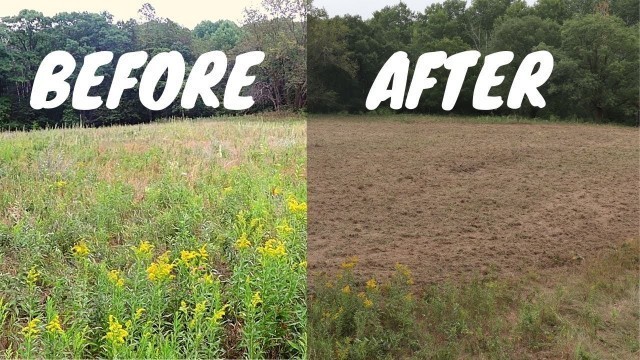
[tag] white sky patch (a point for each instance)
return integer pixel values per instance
(185, 12)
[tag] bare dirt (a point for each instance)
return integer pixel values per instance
(460, 199)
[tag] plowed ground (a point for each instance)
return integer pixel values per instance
(459, 199)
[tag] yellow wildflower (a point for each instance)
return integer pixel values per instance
(218, 314)
(202, 252)
(32, 276)
(372, 284)
(365, 300)
(346, 289)
(31, 330)
(80, 249)
(54, 326)
(273, 248)
(60, 184)
(242, 242)
(187, 256)
(200, 308)
(115, 278)
(227, 190)
(116, 333)
(295, 206)
(139, 313)
(144, 248)
(367, 303)
(350, 263)
(183, 307)
(207, 279)
(404, 271)
(284, 228)
(276, 191)
(256, 299)
(161, 269)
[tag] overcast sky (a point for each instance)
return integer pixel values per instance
(185, 12)
(366, 8)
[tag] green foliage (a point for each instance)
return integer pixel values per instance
(352, 318)
(25, 39)
(594, 44)
(600, 54)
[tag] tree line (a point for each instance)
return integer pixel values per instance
(595, 45)
(277, 27)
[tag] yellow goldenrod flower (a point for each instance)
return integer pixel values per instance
(161, 269)
(139, 313)
(295, 206)
(346, 289)
(273, 248)
(116, 333)
(242, 242)
(284, 228)
(405, 272)
(218, 314)
(115, 278)
(202, 252)
(32, 276)
(144, 248)
(207, 279)
(54, 326)
(200, 308)
(367, 303)
(184, 307)
(372, 284)
(187, 256)
(350, 263)
(80, 249)
(31, 329)
(256, 299)
(276, 191)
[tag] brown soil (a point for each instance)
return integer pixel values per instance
(456, 200)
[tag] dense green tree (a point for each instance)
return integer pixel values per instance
(282, 35)
(26, 38)
(221, 35)
(597, 67)
(594, 44)
(328, 53)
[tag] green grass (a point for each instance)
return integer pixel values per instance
(174, 240)
(591, 314)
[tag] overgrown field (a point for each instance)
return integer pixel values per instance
(171, 240)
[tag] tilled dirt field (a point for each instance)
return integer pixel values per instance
(456, 199)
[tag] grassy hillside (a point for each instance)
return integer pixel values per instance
(172, 240)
